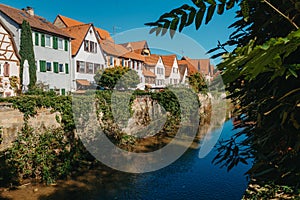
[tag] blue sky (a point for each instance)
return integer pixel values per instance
(128, 15)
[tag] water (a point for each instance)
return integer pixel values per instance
(188, 178)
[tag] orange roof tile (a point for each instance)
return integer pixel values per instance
(78, 32)
(104, 35)
(148, 73)
(151, 59)
(35, 21)
(137, 46)
(112, 48)
(191, 68)
(201, 65)
(168, 61)
(134, 56)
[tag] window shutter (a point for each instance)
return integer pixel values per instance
(55, 64)
(66, 45)
(43, 40)
(37, 39)
(67, 68)
(63, 91)
(42, 66)
(55, 45)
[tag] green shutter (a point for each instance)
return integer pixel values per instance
(67, 68)
(43, 40)
(55, 64)
(55, 43)
(66, 45)
(37, 39)
(63, 91)
(42, 66)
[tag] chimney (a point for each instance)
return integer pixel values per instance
(30, 11)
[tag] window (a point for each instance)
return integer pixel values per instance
(160, 71)
(43, 66)
(61, 67)
(67, 68)
(96, 68)
(66, 45)
(60, 43)
(175, 81)
(86, 45)
(89, 68)
(6, 69)
(55, 67)
(175, 70)
(49, 66)
(80, 66)
(111, 61)
(48, 41)
(36, 39)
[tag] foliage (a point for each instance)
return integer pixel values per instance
(27, 53)
(43, 156)
(262, 76)
(109, 78)
(13, 82)
(271, 191)
(197, 82)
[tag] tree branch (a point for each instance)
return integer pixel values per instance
(283, 15)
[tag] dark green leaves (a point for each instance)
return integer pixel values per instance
(186, 15)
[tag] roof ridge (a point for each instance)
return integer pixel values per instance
(90, 24)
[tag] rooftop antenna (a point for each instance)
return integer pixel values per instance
(115, 31)
(182, 53)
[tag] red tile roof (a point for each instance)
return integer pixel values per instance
(137, 46)
(168, 61)
(151, 59)
(201, 65)
(190, 67)
(104, 35)
(78, 33)
(148, 73)
(35, 21)
(118, 50)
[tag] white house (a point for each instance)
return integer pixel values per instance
(155, 64)
(172, 74)
(87, 55)
(9, 63)
(51, 47)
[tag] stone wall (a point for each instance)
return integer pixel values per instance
(11, 121)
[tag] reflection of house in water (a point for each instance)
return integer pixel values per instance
(9, 63)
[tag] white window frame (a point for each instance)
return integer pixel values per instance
(48, 36)
(60, 42)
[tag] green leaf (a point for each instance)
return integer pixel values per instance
(191, 16)
(199, 18)
(173, 26)
(183, 21)
(293, 72)
(210, 12)
(165, 27)
(220, 9)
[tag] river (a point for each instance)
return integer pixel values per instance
(187, 178)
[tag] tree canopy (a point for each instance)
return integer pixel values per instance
(119, 77)
(27, 53)
(262, 77)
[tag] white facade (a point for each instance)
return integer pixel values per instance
(160, 73)
(9, 64)
(86, 63)
(174, 77)
(59, 81)
(53, 63)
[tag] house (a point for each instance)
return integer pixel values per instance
(9, 63)
(87, 55)
(118, 55)
(172, 75)
(203, 66)
(51, 47)
(154, 64)
(64, 22)
(186, 69)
